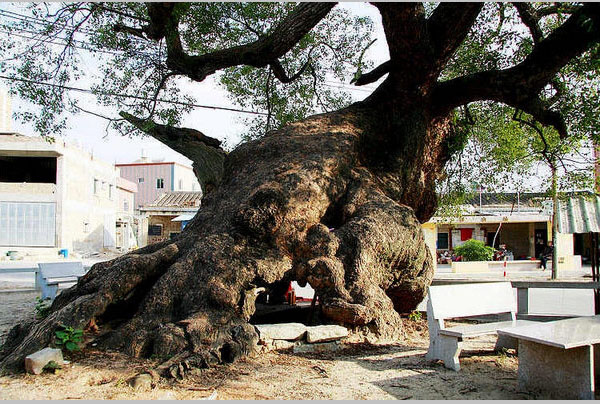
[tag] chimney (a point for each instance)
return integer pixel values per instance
(144, 157)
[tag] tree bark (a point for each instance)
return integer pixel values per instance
(319, 202)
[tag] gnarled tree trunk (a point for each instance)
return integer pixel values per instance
(328, 201)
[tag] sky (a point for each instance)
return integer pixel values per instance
(89, 131)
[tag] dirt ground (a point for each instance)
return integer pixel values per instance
(359, 372)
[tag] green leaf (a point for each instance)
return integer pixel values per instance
(71, 346)
(62, 335)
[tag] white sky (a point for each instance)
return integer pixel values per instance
(89, 132)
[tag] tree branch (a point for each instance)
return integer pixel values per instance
(530, 18)
(260, 53)
(281, 75)
(205, 152)
(138, 32)
(520, 85)
(448, 26)
(373, 75)
(564, 8)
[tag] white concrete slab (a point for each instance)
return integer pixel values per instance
(570, 333)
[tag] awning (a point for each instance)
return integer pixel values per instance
(184, 218)
(579, 215)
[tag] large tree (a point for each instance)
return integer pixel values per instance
(335, 200)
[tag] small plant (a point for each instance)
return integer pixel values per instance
(415, 316)
(69, 338)
(42, 307)
(53, 367)
(474, 250)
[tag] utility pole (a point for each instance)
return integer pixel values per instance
(554, 220)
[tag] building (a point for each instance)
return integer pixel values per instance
(155, 178)
(521, 221)
(127, 223)
(56, 196)
(168, 215)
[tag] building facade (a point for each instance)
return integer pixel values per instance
(55, 196)
(521, 222)
(155, 178)
(168, 215)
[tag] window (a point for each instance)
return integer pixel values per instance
(28, 169)
(155, 229)
(180, 185)
(96, 186)
(110, 192)
(27, 224)
(140, 180)
(160, 183)
(126, 206)
(442, 241)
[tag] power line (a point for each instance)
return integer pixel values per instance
(86, 46)
(85, 90)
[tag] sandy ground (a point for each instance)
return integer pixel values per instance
(361, 371)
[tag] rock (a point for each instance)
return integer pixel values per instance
(284, 331)
(323, 333)
(274, 345)
(282, 344)
(142, 382)
(319, 347)
(35, 362)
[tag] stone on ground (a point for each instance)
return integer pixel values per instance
(284, 331)
(35, 362)
(318, 347)
(142, 382)
(324, 333)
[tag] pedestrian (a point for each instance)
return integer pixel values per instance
(546, 255)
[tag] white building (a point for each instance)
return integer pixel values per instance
(54, 196)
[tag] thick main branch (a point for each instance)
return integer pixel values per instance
(520, 85)
(260, 53)
(204, 151)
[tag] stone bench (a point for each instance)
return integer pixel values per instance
(461, 301)
(52, 274)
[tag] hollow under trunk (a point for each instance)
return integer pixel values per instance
(333, 201)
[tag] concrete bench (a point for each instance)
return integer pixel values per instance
(559, 358)
(52, 274)
(460, 301)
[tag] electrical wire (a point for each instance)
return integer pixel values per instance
(88, 91)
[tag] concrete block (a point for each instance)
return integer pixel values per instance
(35, 362)
(324, 333)
(283, 331)
(556, 372)
(318, 347)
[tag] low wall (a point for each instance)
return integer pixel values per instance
(567, 263)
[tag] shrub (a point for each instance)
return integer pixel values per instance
(474, 250)
(69, 338)
(42, 307)
(415, 316)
